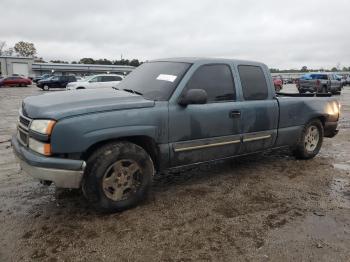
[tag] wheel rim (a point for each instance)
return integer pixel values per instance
(311, 138)
(122, 179)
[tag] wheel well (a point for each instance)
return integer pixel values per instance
(321, 118)
(147, 143)
(80, 87)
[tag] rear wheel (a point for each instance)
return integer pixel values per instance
(118, 176)
(310, 142)
(46, 88)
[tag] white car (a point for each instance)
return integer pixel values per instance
(96, 81)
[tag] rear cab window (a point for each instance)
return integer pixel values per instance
(253, 81)
(216, 80)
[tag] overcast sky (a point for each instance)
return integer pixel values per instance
(283, 34)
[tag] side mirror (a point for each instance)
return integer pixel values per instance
(194, 96)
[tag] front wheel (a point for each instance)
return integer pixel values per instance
(46, 88)
(310, 141)
(118, 176)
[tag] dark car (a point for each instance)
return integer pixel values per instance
(15, 81)
(42, 77)
(55, 82)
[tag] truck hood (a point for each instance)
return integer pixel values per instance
(57, 105)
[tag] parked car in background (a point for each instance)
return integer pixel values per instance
(165, 115)
(15, 81)
(319, 83)
(348, 80)
(96, 81)
(38, 78)
(342, 80)
(277, 82)
(55, 82)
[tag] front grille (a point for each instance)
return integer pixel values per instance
(24, 121)
(22, 136)
(23, 129)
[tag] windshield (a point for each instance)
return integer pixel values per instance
(88, 78)
(155, 80)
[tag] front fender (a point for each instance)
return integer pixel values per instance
(79, 141)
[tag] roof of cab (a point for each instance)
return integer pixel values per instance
(193, 60)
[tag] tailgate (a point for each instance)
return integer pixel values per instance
(307, 83)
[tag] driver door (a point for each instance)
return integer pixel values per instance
(202, 132)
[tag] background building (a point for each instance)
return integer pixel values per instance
(27, 67)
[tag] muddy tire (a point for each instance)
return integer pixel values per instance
(310, 141)
(118, 176)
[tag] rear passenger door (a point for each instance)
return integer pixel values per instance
(260, 108)
(110, 81)
(335, 83)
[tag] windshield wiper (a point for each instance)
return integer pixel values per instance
(132, 91)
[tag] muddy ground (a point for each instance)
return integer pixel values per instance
(266, 208)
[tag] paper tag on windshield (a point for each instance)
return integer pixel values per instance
(170, 78)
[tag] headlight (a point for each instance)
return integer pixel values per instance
(42, 126)
(39, 147)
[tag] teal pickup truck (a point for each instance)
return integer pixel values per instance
(166, 114)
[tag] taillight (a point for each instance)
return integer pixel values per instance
(318, 82)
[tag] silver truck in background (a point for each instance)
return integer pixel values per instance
(319, 83)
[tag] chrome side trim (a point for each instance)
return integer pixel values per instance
(256, 138)
(181, 149)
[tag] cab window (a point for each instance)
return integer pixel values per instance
(216, 80)
(253, 82)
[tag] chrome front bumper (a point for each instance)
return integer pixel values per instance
(62, 178)
(65, 173)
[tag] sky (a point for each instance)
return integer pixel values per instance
(282, 34)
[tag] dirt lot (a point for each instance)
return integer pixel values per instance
(266, 208)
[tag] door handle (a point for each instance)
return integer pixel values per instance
(235, 114)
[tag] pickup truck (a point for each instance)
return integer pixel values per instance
(319, 83)
(167, 114)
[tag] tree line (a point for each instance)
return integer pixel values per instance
(304, 69)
